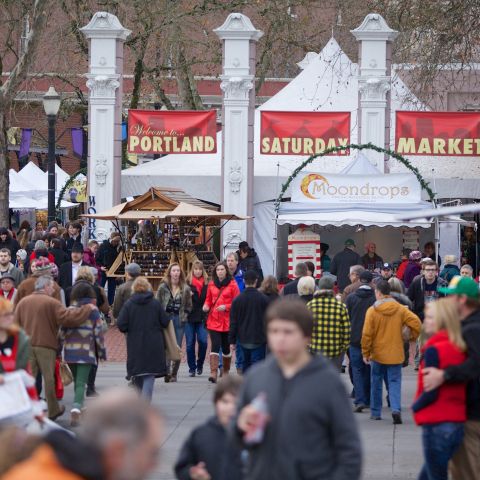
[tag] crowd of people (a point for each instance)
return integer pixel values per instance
(284, 412)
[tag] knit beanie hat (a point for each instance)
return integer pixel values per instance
(22, 254)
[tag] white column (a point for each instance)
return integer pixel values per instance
(106, 36)
(239, 38)
(375, 38)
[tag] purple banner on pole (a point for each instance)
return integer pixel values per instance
(25, 142)
(77, 141)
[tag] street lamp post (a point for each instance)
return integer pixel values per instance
(51, 105)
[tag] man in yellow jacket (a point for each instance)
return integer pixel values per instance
(382, 348)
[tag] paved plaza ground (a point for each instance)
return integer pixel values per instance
(391, 452)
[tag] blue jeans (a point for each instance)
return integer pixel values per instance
(360, 377)
(144, 384)
(239, 360)
(112, 285)
(393, 376)
(147, 387)
(195, 332)
(440, 440)
(251, 355)
(179, 329)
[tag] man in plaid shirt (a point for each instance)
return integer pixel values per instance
(331, 324)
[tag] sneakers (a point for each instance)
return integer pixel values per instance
(75, 414)
(199, 371)
(374, 417)
(397, 418)
(191, 373)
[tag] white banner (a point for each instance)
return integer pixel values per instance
(308, 187)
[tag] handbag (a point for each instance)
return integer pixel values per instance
(59, 390)
(65, 374)
(172, 350)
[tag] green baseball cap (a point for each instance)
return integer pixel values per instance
(349, 242)
(461, 286)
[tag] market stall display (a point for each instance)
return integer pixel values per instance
(161, 227)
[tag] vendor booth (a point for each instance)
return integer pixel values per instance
(359, 203)
(162, 226)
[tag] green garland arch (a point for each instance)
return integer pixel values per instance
(424, 184)
(64, 188)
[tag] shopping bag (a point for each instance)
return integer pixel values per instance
(65, 374)
(58, 381)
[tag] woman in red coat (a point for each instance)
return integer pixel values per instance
(220, 294)
(441, 412)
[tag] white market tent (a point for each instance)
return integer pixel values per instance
(29, 188)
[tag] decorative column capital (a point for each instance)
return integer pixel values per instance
(237, 88)
(238, 26)
(374, 27)
(103, 86)
(374, 88)
(105, 25)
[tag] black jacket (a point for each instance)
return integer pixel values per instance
(341, 264)
(357, 304)
(60, 256)
(69, 242)
(65, 274)
(247, 313)
(291, 288)
(96, 288)
(197, 315)
(209, 444)
(251, 262)
(107, 253)
(469, 370)
(144, 319)
(312, 433)
(12, 245)
(416, 293)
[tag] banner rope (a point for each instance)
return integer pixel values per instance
(370, 146)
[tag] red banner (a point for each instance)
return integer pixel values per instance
(177, 131)
(303, 133)
(456, 134)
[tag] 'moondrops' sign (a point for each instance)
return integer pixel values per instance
(326, 188)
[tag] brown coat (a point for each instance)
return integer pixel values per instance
(41, 316)
(27, 287)
(353, 287)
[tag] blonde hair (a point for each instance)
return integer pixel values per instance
(446, 318)
(85, 273)
(197, 264)
(306, 286)
(396, 285)
(141, 285)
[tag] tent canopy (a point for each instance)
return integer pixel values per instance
(163, 202)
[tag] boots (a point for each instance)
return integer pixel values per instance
(169, 369)
(213, 367)
(175, 367)
(227, 361)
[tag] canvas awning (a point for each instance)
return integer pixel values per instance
(349, 217)
(338, 215)
(186, 210)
